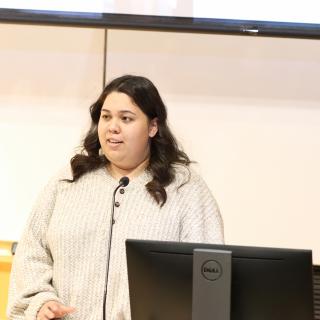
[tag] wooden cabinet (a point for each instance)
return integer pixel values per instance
(5, 268)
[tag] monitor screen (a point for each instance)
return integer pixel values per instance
(266, 283)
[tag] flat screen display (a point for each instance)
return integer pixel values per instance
(264, 18)
(266, 283)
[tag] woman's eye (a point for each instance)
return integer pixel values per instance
(105, 116)
(126, 119)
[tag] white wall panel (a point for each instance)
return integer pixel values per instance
(248, 110)
(49, 76)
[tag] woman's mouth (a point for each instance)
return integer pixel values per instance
(114, 141)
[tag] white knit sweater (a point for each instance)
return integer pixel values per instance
(63, 251)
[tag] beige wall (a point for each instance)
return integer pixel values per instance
(247, 109)
(48, 77)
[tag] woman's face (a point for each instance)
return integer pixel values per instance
(124, 132)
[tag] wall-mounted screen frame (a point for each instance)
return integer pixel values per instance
(161, 23)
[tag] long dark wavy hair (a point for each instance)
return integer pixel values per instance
(164, 150)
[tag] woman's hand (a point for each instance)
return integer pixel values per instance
(53, 310)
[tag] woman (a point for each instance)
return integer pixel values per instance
(60, 263)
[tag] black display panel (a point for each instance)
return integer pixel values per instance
(266, 283)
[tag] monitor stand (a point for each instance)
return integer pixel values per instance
(211, 290)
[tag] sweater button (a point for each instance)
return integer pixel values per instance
(122, 191)
(117, 204)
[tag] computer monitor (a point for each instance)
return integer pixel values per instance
(266, 283)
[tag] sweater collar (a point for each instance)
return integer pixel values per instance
(138, 181)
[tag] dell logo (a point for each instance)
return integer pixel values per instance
(211, 270)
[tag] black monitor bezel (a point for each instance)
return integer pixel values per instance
(300, 262)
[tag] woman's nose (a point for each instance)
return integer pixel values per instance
(114, 126)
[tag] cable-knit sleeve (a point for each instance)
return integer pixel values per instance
(31, 274)
(201, 220)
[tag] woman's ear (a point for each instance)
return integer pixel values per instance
(153, 127)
